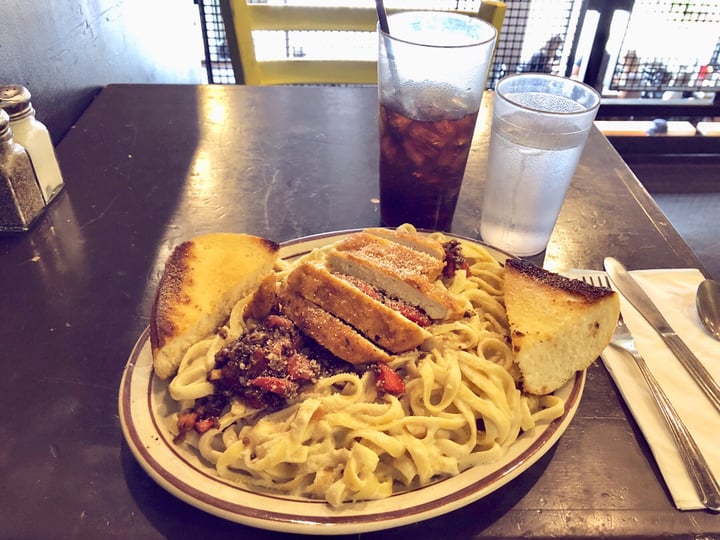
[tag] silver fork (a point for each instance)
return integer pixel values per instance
(695, 463)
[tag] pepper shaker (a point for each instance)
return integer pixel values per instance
(34, 137)
(21, 200)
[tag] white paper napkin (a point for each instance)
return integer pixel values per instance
(673, 292)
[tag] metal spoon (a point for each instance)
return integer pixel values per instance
(708, 306)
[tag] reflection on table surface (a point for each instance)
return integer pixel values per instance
(147, 167)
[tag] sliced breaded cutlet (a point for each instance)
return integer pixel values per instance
(377, 322)
(398, 270)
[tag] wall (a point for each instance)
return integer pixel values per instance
(64, 51)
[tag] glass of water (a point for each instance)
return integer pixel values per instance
(539, 127)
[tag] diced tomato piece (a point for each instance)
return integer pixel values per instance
(364, 286)
(300, 368)
(411, 313)
(186, 421)
(276, 321)
(283, 387)
(388, 380)
(201, 426)
(454, 259)
(453, 266)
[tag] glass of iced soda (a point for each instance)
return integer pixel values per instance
(432, 71)
(539, 127)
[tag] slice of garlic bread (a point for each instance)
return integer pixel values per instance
(557, 325)
(203, 279)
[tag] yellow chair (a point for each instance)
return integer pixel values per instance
(241, 19)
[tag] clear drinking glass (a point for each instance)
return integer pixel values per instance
(539, 127)
(432, 70)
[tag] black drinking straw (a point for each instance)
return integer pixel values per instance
(382, 16)
(383, 23)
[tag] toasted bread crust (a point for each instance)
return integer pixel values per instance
(169, 294)
(581, 291)
(203, 278)
(380, 324)
(557, 325)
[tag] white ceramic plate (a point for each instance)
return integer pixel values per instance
(143, 400)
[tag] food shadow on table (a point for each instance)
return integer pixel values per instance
(98, 211)
(162, 509)
(473, 519)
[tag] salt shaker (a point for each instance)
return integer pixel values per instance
(34, 137)
(21, 200)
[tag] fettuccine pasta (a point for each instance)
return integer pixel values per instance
(341, 440)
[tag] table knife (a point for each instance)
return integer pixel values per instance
(630, 289)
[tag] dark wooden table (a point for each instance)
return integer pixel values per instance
(149, 166)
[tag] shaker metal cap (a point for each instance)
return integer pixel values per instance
(15, 99)
(4, 123)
